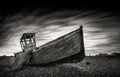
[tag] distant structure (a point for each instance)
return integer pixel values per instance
(102, 55)
(89, 54)
(112, 55)
(66, 49)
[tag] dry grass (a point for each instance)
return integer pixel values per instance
(98, 67)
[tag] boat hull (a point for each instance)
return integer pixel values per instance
(68, 48)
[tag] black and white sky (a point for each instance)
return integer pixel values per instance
(101, 26)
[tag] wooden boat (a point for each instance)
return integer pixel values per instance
(66, 49)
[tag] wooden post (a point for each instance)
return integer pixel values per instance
(82, 41)
(25, 39)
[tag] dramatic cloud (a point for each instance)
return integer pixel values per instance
(101, 29)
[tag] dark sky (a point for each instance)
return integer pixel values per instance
(52, 20)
